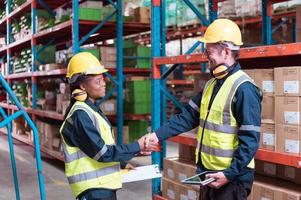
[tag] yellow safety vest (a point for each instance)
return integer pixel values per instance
(83, 172)
(219, 129)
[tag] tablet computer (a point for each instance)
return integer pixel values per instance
(199, 179)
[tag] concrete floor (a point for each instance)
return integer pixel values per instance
(56, 184)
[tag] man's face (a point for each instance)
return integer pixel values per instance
(216, 55)
(95, 86)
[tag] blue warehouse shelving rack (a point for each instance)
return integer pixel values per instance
(267, 55)
(72, 33)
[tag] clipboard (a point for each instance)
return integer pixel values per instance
(198, 179)
(140, 173)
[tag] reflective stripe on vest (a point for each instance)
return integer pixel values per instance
(220, 129)
(93, 174)
(83, 172)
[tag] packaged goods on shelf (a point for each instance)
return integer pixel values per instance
(137, 128)
(173, 190)
(142, 53)
(288, 139)
(282, 172)
(267, 137)
(138, 97)
(142, 14)
(125, 134)
(2, 13)
(91, 4)
(62, 15)
(109, 107)
(177, 170)
(287, 81)
(268, 109)
(287, 110)
(239, 8)
(96, 14)
(270, 188)
(44, 20)
(108, 56)
(49, 135)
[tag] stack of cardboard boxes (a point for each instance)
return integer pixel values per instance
(281, 105)
(174, 172)
(280, 130)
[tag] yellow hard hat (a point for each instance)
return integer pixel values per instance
(84, 63)
(222, 30)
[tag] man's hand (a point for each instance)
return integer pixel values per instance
(220, 180)
(148, 144)
(152, 142)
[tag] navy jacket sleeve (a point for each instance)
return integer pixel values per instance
(246, 109)
(83, 134)
(187, 120)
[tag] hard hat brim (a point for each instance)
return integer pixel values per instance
(96, 71)
(203, 40)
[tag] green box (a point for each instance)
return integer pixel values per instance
(47, 55)
(143, 55)
(94, 51)
(138, 108)
(138, 97)
(139, 86)
(137, 129)
(92, 14)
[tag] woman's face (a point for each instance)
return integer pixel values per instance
(95, 86)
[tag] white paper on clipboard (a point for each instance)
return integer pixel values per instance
(141, 173)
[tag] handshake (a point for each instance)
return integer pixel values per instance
(149, 143)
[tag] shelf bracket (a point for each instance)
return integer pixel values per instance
(43, 4)
(203, 19)
(172, 98)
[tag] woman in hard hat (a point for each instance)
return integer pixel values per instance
(92, 160)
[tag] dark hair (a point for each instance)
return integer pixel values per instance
(73, 86)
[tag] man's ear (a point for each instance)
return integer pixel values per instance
(82, 86)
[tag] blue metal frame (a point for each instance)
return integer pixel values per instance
(43, 4)
(266, 24)
(8, 121)
(159, 84)
(163, 70)
(212, 12)
(75, 27)
(119, 72)
(203, 19)
(155, 84)
(12, 154)
(34, 86)
(96, 28)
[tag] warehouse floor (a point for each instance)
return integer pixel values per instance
(55, 182)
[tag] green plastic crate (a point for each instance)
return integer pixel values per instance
(138, 108)
(94, 51)
(92, 14)
(137, 129)
(137, 97)
(138, 86)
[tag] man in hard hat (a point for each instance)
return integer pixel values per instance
(228, 116)
(92, 160)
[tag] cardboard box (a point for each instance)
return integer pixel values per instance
(287, 110)
(268, 109)
(65, 105)
(142, 14)
(59, 102)
(266, 168)
(251, 73)
(287, 139)
(169, 169)
(109, 107)
(264, 79)
(267, 137)
(289, 173)
(287, 80)
(169, 189)
(175, 191)
(51, 132)
(125, 132)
